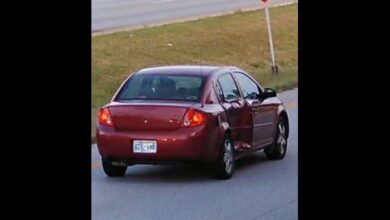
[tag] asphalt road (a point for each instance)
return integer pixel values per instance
(259, 189)
(114, 14)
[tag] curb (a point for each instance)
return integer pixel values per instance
(180, 20)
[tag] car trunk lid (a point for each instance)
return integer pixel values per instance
(147, 116)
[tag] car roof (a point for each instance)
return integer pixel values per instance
(186, 69)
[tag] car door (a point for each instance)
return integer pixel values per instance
(263, 111)
(238, 112)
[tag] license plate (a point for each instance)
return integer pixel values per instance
(141, 146)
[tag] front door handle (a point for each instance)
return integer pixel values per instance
(255, 110)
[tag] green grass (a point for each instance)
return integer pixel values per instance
(238, 40)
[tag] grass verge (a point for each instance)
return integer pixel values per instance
(238, 40)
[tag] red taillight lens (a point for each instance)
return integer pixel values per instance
(193, 118)
(104, 117)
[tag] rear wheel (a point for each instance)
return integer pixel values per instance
(112, 170)
(278, 149)
(224, 166)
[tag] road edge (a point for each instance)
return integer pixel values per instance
(180, 20)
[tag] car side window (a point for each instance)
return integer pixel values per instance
(219, 91)
(249, 88)
(228, 88)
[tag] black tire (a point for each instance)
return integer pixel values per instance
(224, 166)
(112, 170)
(278, 149)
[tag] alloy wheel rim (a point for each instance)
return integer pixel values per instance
(228, 156)
(281, 141)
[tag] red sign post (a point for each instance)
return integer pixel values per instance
(271, 43)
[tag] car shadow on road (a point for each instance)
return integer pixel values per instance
(251, 160)
(184, 172)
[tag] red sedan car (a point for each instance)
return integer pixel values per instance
(208, 114)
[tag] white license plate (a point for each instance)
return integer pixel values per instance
(141, 146)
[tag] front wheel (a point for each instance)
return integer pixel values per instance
(224, 166)
(278, 149)
(112, 170)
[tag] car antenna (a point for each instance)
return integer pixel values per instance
(201, 72)
(201, 68)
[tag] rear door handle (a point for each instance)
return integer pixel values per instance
(235, 105)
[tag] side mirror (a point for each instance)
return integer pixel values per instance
(268, 93)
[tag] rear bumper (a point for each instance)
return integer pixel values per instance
(184, 144)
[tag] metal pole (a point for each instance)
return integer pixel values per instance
(271, 43)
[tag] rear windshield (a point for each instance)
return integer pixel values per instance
(162, 87)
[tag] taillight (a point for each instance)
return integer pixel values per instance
(104, 117)
(193, 118)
